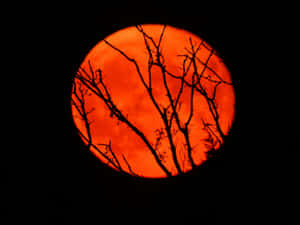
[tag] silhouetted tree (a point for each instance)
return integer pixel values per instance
(91, 82)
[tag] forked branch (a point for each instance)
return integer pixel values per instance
(96, 85)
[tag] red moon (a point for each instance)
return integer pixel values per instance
(208, 114)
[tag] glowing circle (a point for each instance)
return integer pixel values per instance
(132, 77)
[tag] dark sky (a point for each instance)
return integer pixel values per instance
(242, 183)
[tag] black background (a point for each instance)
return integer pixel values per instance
(250, 180)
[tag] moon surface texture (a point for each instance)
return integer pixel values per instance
(184, 59)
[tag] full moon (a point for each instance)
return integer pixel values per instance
(153, 100)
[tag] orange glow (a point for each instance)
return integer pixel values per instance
(128, 93)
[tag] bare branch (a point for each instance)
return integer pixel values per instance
(163, 113)
(194, 52)
(129, 167)
(215, 90)
(214, 72)
(140, 29)
(118, 50)
(84, 116)
(191, 103)
(82, 110)
(101, 153)
(161, 36)
(106, 98)
(109, 149)
(207, 127)
(205, 65)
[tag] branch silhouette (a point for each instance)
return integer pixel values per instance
(91, 82)
(78, 101)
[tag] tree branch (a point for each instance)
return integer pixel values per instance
(129, 167)
(84, 116)
(109, 149)
(118, 114)
(164, 116)
(163, 113)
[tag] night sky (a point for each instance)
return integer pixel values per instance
(242, 183)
